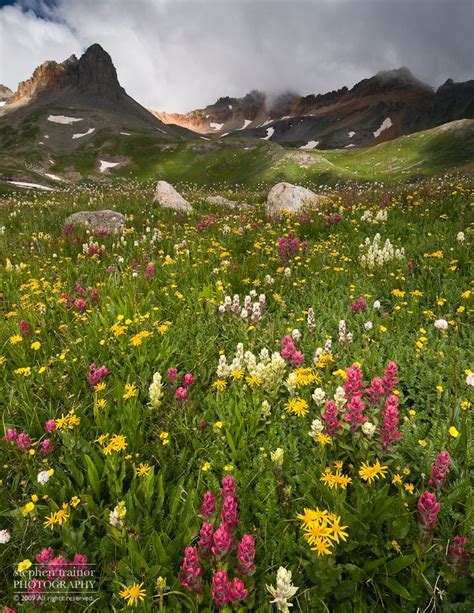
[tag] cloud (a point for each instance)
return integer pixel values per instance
(176, 55)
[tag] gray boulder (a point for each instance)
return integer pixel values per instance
(288, 197)
(109, 221)
(167, 197)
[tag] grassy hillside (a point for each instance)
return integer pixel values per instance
(249, 162)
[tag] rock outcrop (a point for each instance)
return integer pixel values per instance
(5, 93)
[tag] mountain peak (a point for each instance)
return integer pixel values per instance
(93, 74)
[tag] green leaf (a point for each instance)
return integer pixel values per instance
(397, 564)
(396, 587)
(93, 476)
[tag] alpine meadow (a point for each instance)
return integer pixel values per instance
(236, 349)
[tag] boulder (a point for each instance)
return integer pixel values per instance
(288, 197)
(109, 221)
(169, 198)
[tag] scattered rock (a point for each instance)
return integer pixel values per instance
(169, 198)
(221, 201)
(288, 197)
(110, 221)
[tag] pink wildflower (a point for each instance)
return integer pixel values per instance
(11, 434)
(172, 374)
(220, 588)
(237, 590)
(440, 469)
(390, 377)
(229, 513)
(181, 394)
(428, 510)
(97, 374)
(47, 445)
(24, 327)
(80, 559)
(188, 379)
(23, 441)
(376, 391)
(208, 506)
(229, 487)
(353, 414)
(390, 422)
(353, 384)
(289, 352)
(246, 555)
(359, 305)
(205, 539)
(222, 541)
(150, 271)
(80, 304)
(57, 566)
(458, 555)
(330, 417)
(45, 555)
(190, 576)
(50, 425)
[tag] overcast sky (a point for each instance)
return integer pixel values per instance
(176, 55)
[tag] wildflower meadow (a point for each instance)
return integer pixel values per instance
(224, 410)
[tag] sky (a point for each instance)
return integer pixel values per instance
(177, 55)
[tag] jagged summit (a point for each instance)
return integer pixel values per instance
(92, 74)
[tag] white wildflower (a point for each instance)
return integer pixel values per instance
(283, 591)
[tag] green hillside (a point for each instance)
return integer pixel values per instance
(448, 148)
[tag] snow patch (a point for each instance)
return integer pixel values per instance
(46, 136)
(63, 119)
(81, 134)
(160, 130)
(126, 133)
(105, 165)
(225, 134)
(312, 144)
(230, 106)
(216, 126)
(54, 177)
(387, 123)
(270, 132)
(3, 102)
(349, 146)
(34, 185)
(247, 122)
(265, 123)
(350, 134)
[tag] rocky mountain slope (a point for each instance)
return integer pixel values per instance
(63, 105)
(388, 105)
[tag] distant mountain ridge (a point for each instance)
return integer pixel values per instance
(390, 104)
